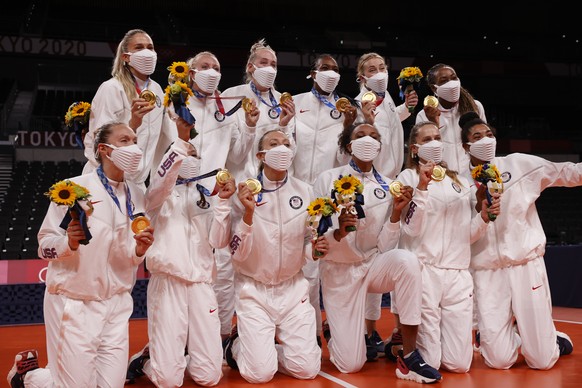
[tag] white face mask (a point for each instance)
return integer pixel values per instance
(433, 150)
(365, 148)
(126, 158)
(449, 91)
(279, 158)
(327, 80)
(378, 82)
(207, 80)
(483, 149)
(265, 76)
(189, 168)
(144, 61)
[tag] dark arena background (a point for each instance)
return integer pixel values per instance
(523, 64)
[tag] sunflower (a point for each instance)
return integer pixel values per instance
(486, 172)
(348, 184)
(167, 96)
(62, 193)
(78, 111)
(410, 74)
(316, 207)
(178, 70)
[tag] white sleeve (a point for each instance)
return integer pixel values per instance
(163, 181)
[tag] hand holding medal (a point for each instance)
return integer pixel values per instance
(226, 185)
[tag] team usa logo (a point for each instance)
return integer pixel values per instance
(234, 243)
(379, 193)
(410, 213)
(167, 164)
(506, 176)
(295, 202)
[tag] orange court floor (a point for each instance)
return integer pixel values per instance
(565, 374)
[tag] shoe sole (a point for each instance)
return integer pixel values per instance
(413, 376)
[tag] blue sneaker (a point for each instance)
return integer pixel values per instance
(414, 368)
(377, 342)
(564, 343)
(371, 352)
(135, 366)
(228, 348)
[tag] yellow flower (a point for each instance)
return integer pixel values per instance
(179, 70)
(316, 207)
(410, 74)
(66, 192)
(62, 193)
(348, 185)
(79, 111)
(167, 96)
(486, 172)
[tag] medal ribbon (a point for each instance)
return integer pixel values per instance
(137, 86)
(220, 106)
(111, 193)
(263, 190)
(274, 105)
(181, 181)
(324, 100)
(376, 175)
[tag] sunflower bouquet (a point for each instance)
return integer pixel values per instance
(77, 119)
(489, 175)
(77, 199)
(408, 80)
(319, 221)
(178, 92)
(347, 193)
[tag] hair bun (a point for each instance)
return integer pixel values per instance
(469, 117)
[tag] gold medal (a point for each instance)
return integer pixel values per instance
(369, 96)
(139, 224)
(395, 188)
(223, 176)
(342, 104)
(247, 104)
(254, 185)
(149, 96)
(431, 101)
(285, 96)
(438, 173)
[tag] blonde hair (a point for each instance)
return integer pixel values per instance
(120, 70)
(362, 61)
(258, 45)
(192, 61)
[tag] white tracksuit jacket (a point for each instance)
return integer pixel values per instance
(317, 137)
(218, 141)
(154, 135)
